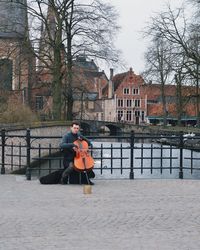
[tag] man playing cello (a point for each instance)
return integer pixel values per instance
(69, 149)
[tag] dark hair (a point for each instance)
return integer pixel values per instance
(75, 123)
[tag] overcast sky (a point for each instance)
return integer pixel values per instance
(134, 15)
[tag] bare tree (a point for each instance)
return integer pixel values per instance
(71, 27)
(158, 67)
(183, 37)
(89, 28)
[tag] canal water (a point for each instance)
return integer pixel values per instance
(160, 169)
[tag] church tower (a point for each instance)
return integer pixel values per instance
(45, 49)
(13, 18)
(16, 58)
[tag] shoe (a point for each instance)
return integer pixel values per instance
(64, 180)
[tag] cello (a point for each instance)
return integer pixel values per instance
(83, 161)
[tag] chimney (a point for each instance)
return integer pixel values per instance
(99, 88)
(110, 85)
(111, 74)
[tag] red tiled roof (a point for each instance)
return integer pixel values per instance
(156, 109)
(153, 91)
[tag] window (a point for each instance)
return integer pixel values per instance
(128, 115)
(142, 115)
(151, 101)
(137, 103)
(136, 91)
(128, 103)
(6, 72)
(120, 115)
(39, 102)
(119, 103)
(126, 91)
(137, 113)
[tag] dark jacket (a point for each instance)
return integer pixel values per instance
(67, 145)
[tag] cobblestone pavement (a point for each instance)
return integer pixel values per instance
(119, 214)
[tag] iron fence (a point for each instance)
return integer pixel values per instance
(128, 155)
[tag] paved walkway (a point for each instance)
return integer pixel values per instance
(118, 215)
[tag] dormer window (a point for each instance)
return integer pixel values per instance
(135, 91)
(126, 91)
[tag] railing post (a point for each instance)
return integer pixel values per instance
(131, 176)
(181, 155)
(28, 154)
(3, 143)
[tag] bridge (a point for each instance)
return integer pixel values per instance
(95, 126)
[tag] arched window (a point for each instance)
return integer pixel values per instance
(6, 72)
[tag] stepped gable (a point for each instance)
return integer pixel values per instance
(128, 76)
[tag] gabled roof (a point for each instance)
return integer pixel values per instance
(157, 109)
(118, 79)
(94, 74)
(153, 91)
(82, 62)
(85, 96)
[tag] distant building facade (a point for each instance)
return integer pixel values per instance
(17, 63)
(88, 88)
(129, 99)
(123, 97)
(131, 103)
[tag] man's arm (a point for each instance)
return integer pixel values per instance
(65, 143)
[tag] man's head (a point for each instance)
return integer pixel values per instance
(75, 127)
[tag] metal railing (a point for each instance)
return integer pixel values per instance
(128, 155)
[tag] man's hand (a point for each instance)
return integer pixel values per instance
(75, 147)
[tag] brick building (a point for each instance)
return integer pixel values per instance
(87, 82)
(16, 60)
(131, 102)
(88, 86)
(124, 97)
(130, 99)
(187, 112)
(126, 101)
